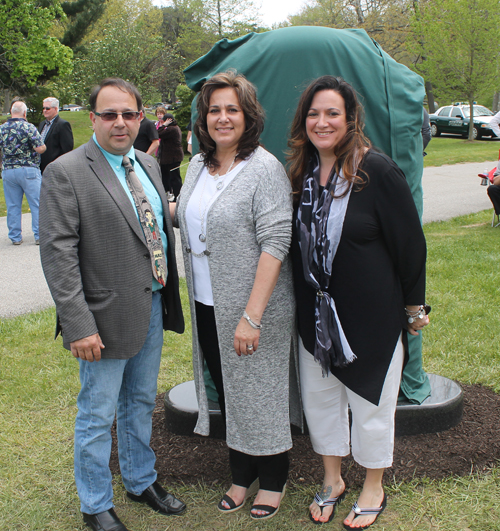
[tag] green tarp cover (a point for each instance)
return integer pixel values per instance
(282, 62)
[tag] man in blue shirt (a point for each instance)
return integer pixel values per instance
(21, 145)
(115, 285)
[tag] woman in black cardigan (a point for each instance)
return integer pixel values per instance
(359, 267)
(170, 154)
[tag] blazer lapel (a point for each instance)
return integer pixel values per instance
(103, 171)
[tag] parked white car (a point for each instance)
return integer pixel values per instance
(72, 107)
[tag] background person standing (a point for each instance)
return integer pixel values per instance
(147, 139)
(56, 133)
(170, 154)
(21, 145)
(494, 124)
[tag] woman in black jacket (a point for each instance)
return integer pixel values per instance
(359, 254)
(171, 154)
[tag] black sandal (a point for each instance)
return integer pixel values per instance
(254, 487)
(270, 510)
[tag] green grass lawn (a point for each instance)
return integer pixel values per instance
(39, 385)
(451, 150)
(81, 125)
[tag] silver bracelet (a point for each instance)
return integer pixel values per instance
(250, 322)
(422, 311)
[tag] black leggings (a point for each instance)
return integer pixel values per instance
(209, 343)
(272, 470)
(172, 180)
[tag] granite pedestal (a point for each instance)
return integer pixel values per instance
(441, 411)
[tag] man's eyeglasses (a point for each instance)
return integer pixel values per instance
(47, 108)
(112, 116)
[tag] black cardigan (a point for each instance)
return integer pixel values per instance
(171, 151)
(378, 269)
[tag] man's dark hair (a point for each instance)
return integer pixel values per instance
(123, 85)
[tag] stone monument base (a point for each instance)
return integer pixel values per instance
(441, 411)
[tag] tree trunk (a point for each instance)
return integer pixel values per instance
(359, 11)
(471, 117)
(496, 102)
(430, 97)
(6, 100)
(219, 18)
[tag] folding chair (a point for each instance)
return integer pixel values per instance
(487, 178)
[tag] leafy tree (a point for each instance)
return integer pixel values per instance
(453, 53)
(196, 25)
(329, 13)
(183, 24)
(136, 11)
(183, 113)
(28, 53)
(229, 17)
(127, 49)
(389, 25)
(134, 51)
(386, 21)
(37, 60)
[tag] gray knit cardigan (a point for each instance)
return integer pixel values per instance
(252, 215)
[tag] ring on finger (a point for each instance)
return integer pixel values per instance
(249, 347)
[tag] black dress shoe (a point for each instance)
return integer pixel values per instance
(106, 521)
(159, 500)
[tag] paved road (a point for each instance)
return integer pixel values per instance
(454, 190)
(449, 191)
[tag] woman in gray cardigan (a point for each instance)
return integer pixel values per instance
(235, 214)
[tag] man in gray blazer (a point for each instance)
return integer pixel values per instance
(112, 305)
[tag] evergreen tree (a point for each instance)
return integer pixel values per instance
(81, 15)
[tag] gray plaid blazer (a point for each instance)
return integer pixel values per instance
(94, 255)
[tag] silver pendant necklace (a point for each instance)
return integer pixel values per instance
(203, 236)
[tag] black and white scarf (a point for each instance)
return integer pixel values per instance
(319, 222)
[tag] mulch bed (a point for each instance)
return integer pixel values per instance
(472, 446)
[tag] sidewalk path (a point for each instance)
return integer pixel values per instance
(454, 190)
(449, 191)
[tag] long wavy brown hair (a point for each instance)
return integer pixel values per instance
(252, 110)
(348, 152)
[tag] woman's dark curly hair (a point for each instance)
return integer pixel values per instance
(349, 151)
(252, 110)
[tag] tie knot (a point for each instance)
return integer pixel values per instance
(127, 162)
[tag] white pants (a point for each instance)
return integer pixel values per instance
(326, 402)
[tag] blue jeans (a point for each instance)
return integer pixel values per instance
(17, 182)
(129, 388)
